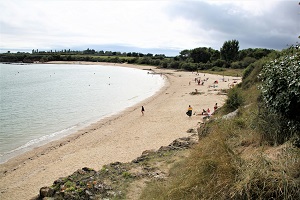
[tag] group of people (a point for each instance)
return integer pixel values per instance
(199, 81)
(204, 112)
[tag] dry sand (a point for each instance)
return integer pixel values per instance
(122, 137)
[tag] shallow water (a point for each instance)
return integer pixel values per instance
(43, 102)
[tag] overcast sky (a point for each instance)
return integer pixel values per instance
(147, 26)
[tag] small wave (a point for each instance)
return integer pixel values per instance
(38, 141)
(133, 97)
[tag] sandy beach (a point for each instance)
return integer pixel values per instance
(121, 137)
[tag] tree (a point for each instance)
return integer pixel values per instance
(184, 54)
(149, 55)
(215, 54)
(88, 51)
(200, 54)
(229, 50)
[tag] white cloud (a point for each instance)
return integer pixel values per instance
(46, 24)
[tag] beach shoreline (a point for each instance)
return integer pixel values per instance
(56, 132)
(121, 137)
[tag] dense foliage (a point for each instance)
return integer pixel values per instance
(281, 86)
(280, 96)
(200, 58)
(230, 50)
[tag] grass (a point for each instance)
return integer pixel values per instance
(231, 162)
(233, 159)
(226, 72)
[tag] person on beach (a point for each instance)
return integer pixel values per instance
(143, 110)
(190, 111)
(208, 111)
(215, 107)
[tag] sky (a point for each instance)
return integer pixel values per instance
(147, 26)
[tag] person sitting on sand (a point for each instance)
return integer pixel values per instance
(190, 111)
(204, 112)
(208, 111)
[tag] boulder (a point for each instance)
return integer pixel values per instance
(46, 192)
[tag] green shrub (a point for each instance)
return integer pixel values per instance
(219, 63)
(275, 128)
(203, 66)
(281, 86)
(234, 100)
(217, 69)
(281, 99)
(247, 61)
(248, 71)
(236, 65)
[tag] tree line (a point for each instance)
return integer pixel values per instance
(201, 58)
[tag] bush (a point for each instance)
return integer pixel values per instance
(188, 66)
(219, 63)
(281, 99)
(276, 129)
(247, 61)
(281, 86)
(236, 65)
(217, 69)
(204, 66)
(247, 71)
(234, 99)
(174, 65)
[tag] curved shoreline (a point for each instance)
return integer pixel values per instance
(58, 132)
(121, 137)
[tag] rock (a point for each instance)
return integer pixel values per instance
(89, 193)
(102, 187)
(58, 181)
(80, 171)
(165, 148)
(230, 115)
(191, 130)
(88, 169)
(46, 192)
(139, 159)
(147, 152)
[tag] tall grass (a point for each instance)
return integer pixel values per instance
(207, 173)
(234, 100)
(250, 156)
(231, 163)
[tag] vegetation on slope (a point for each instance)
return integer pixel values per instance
(119, 180)
(254, 155)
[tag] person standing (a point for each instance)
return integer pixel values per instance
(143, 110)
(215, 107)
(190, 111)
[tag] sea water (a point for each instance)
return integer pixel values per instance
(43, 102)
